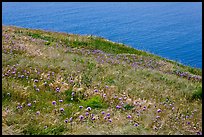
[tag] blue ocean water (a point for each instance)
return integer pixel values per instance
(170, 29)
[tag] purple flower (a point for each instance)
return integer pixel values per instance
(199, 133)
(58, 89)
(61, 109)
(159, 110)
(81, 117)
(66, 121)
(72, 93)
(102, 112)
(54, 102)
(38, 113)
(34, 86)
(89, 108)
(71, 81)
(70, 119)
(60, 100)
(129, 116)
(92, 115)
(87, 113)
(20, 106)
(108, 115)
(35, 80)
(110, 120)
(96, 90)
(37, 89)
(118, 107)
(188, 123)
(22, 76)
(53, 73)
(120, 98)
(136, 124)
(106, 86)
(80, 107)
(92, 118)
(104, 95)
(157, 117)
(29, 104)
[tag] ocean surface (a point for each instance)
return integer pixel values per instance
(170, 29)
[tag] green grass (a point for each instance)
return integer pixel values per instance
(69, 62)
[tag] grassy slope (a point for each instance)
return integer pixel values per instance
(91, 67)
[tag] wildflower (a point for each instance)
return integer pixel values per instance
(93, 118)
(54, 102)
(60, 100)
(45, 83)
(45, 127)
(80, 107)
(34, 86)
(102, 112)
(35, 80)
(71, 81)
(105, 118)
(29, 104)
(110, 120)
(72, 93)
(81, 117)
(172, 108)
(38, 113)
(92, 115)
(66, 121)
(34, 101)
(104, 95)
(159, 110)
(70, 119)
(58, 89)
(118, 107)
(120, 98)
(53, 73)
(108, 115)
(87, 113)
(96, 90)
(129, 116)
(157, 117)
(188, 123)
(37, 89)
(89, 108)
(199, 133)
(22, 76)
(106, 86)
(61, 109)
(136, 124)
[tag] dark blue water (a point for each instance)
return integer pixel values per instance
(171, 30)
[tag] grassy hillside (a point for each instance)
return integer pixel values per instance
(58, 83)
